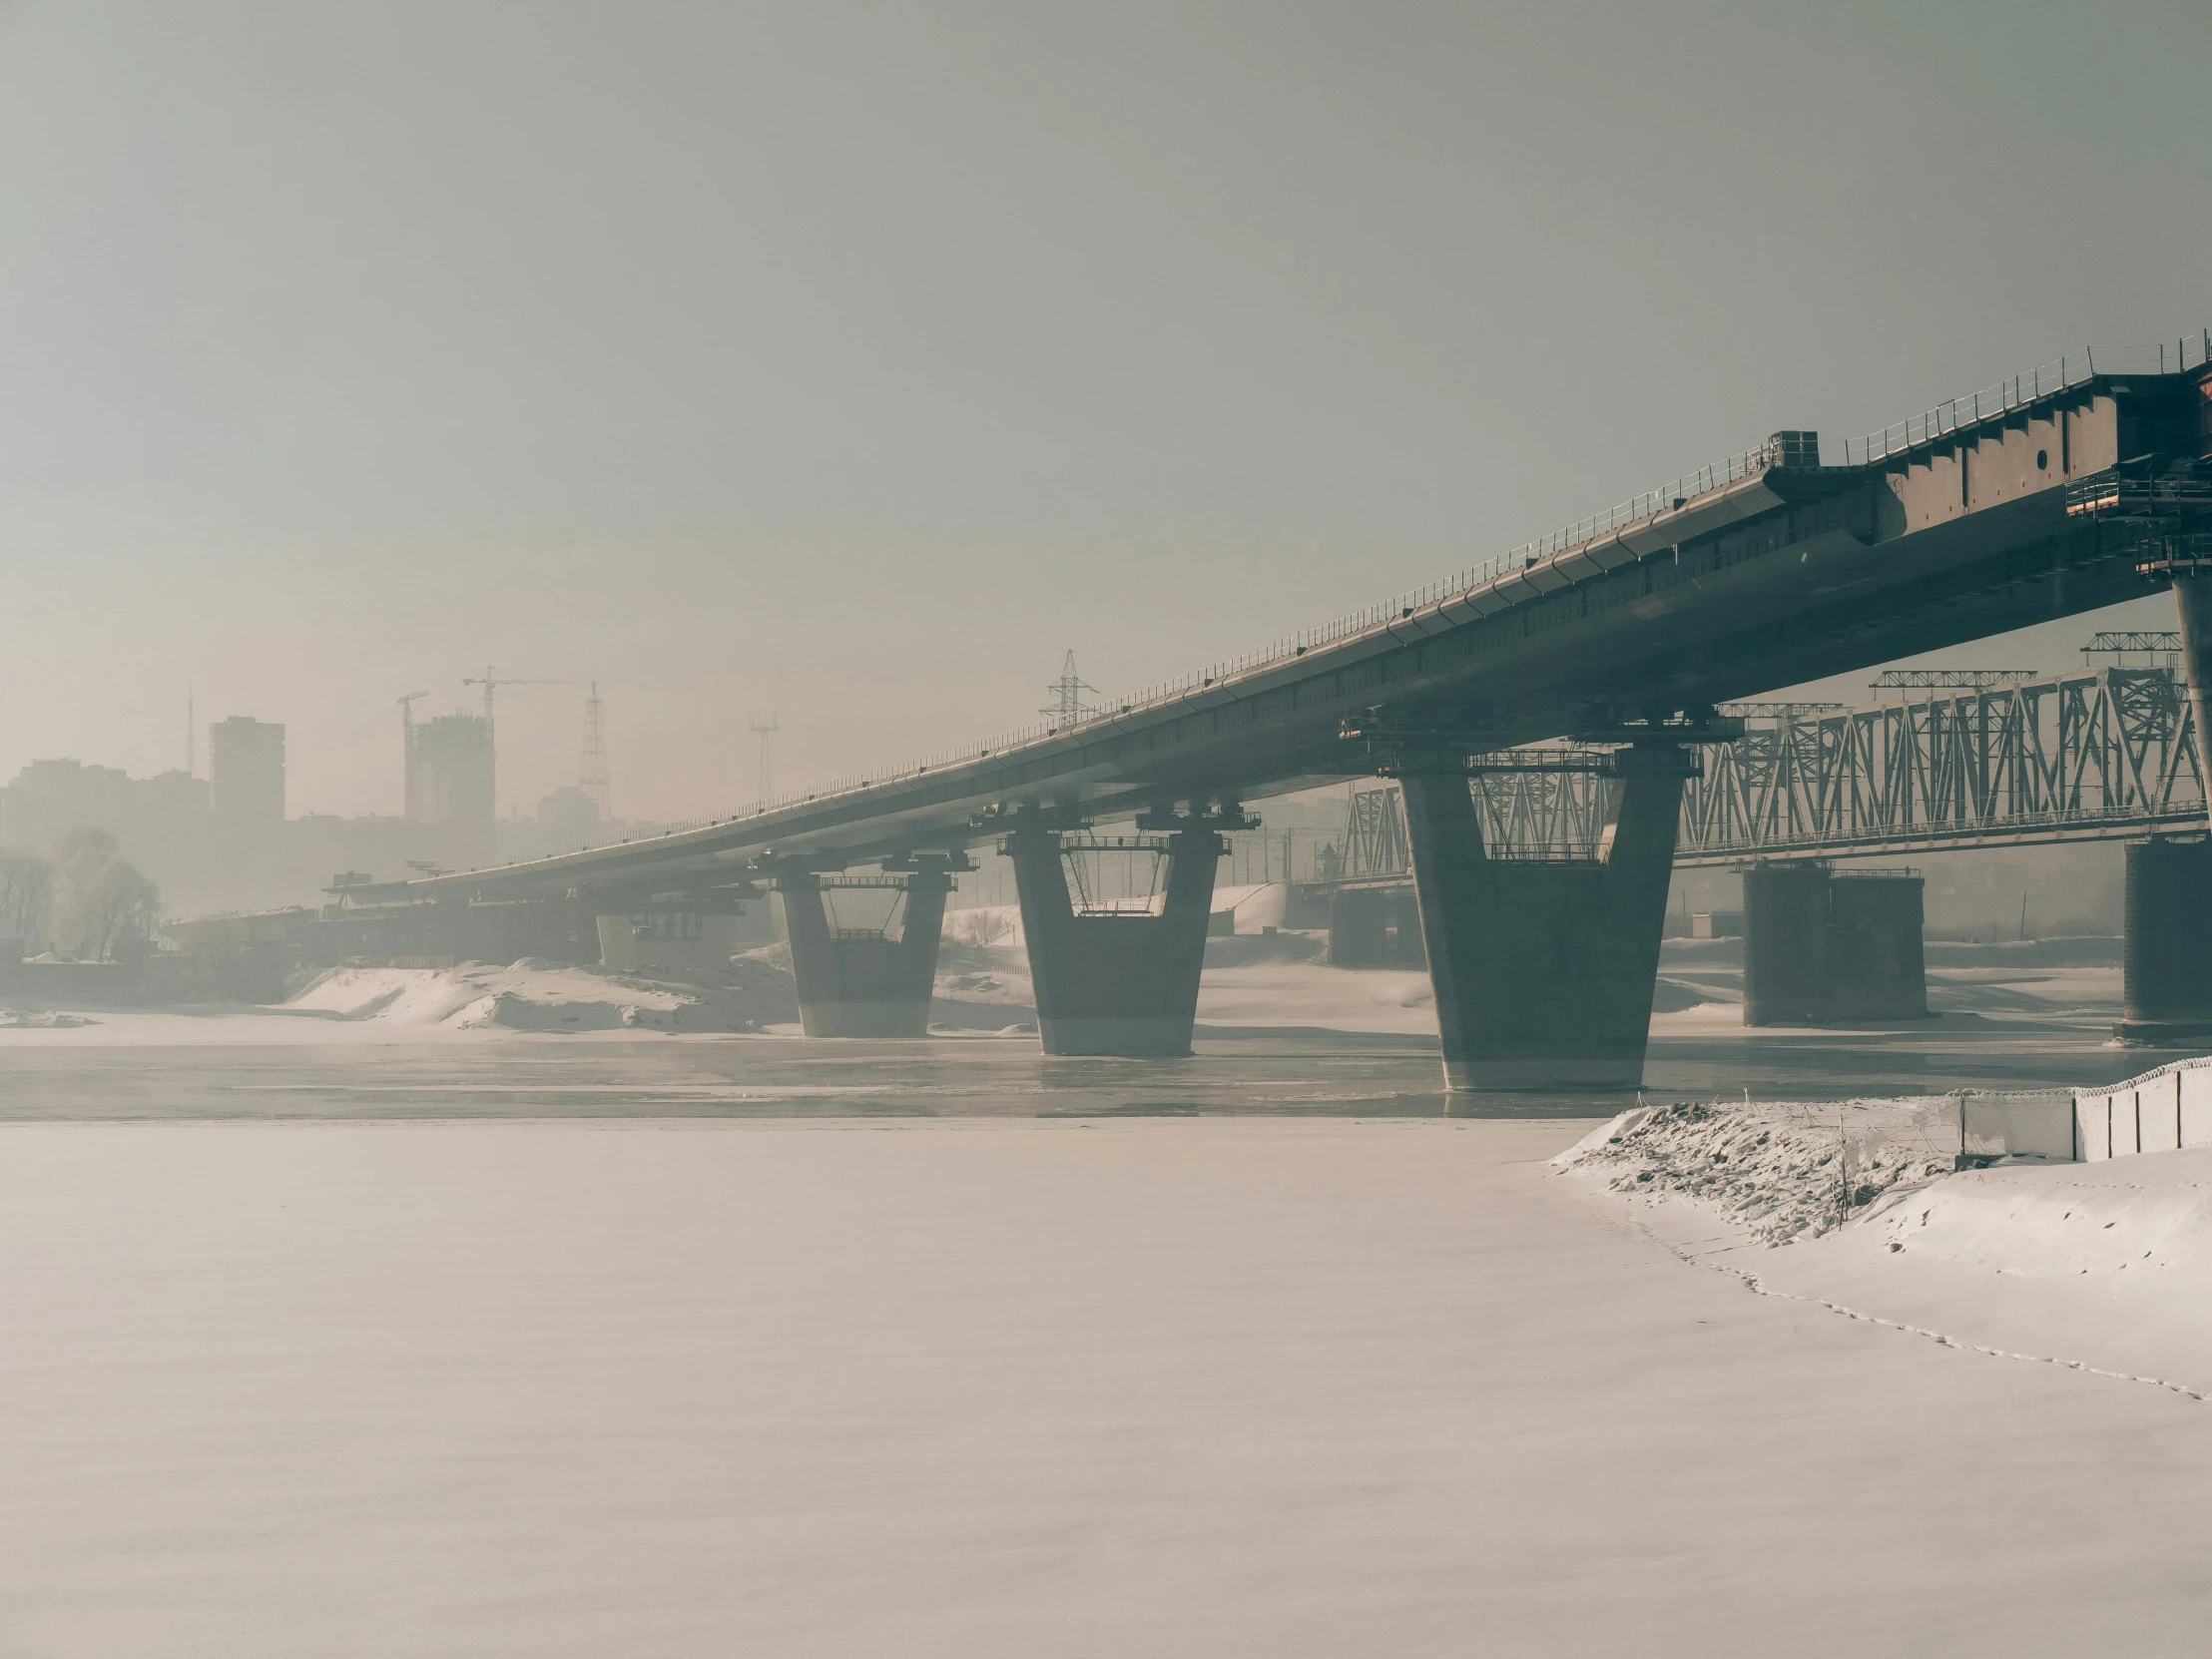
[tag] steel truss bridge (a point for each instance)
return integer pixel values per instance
(2100, 754)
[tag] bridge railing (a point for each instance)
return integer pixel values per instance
(2019, 391)
(1750, 463)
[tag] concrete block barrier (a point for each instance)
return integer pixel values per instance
(2161, 1111)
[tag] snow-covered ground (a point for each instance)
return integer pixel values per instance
(1194, 1387)
(1855, 1207)
(385, 1005)
(531, 995)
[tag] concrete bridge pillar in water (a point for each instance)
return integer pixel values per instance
(1118, 982)
(869, 976)
(1543, 968)
(2166, 962)
(1375, 926)
(1822, 947)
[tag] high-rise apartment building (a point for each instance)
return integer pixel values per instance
(451, 757)
(246, 769)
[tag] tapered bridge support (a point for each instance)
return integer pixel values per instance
(1543, 968)
(874, 979)
(1116, 981)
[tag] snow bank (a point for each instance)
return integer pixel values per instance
(40, 1019)
(2126, 1227)
(2101, 1267)
(536, 995)
(1779, 1170)
(1255, 904)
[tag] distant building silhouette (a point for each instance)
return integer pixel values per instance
(246, 769)
(453, 757)
(570, 816)
(48, 799)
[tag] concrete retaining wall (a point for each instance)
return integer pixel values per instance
(2160, 1111)
(2018, 1126)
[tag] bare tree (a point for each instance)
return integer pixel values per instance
(26, 888)
(978, 926)
(103, 908)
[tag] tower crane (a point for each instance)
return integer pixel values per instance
(491, 680)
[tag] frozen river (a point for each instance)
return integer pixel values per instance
(513, 1345)
(269, 1066)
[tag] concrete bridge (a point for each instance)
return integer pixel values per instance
(2069, 488)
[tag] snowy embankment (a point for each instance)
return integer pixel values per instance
(1778, 1171)
(534, 995)
(2105, 1268)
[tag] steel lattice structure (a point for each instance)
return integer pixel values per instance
(2080, 757)
(2099, 755)
(1374, 840)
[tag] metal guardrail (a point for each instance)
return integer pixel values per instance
(2022, 391)
(1750, 463)
(1959, 412)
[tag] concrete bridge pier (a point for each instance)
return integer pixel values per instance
(2167, 960)
(1375, 926)
(1118, 982)
(873, 980)
(1824, 948)
(1543, 970)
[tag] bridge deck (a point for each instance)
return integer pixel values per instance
(1764, 573)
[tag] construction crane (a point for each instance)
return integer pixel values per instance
(491, 680)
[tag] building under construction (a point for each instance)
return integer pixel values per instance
(451, 785)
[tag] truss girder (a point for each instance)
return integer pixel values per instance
(2102, 752)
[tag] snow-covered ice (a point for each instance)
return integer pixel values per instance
(2105, 1267)
(1204, 1387)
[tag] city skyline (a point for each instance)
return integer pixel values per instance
(866, 386)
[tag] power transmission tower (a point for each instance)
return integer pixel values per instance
(593, 776)
(767, 729)
(1067, 707)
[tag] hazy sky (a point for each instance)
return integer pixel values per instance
(857, 360)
